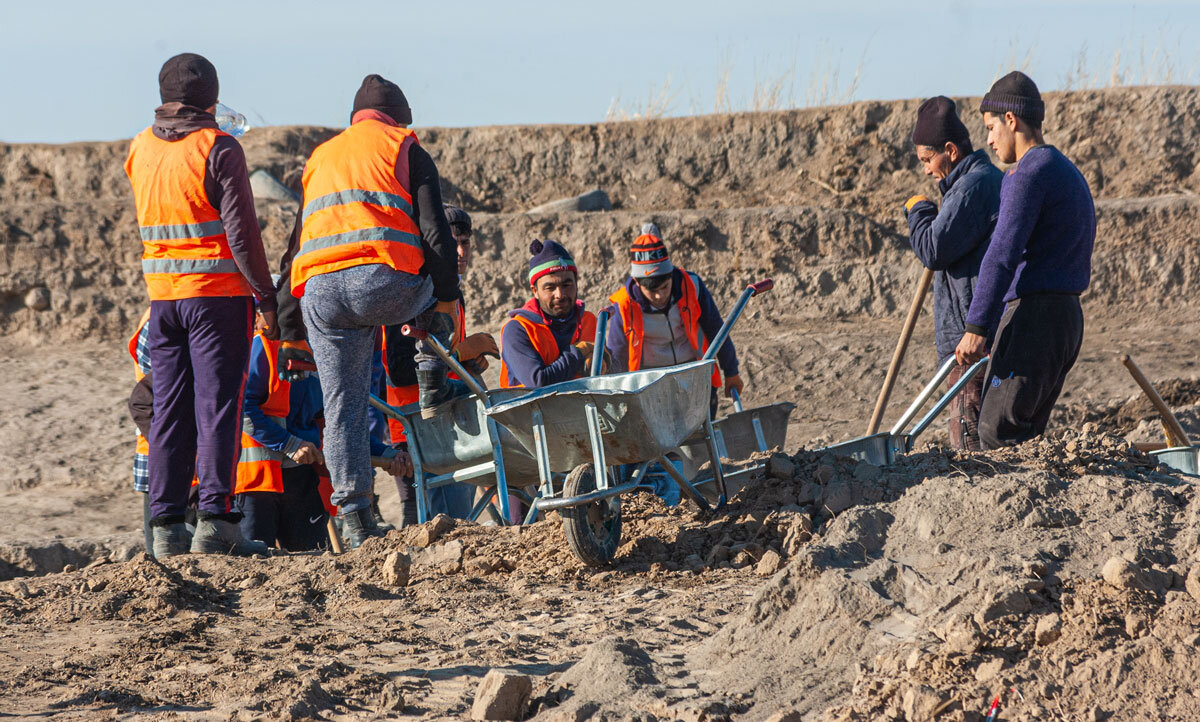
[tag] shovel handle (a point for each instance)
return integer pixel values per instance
(762, 286)
(1172, 429)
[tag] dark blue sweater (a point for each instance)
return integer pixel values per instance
(1043, 239)
(951, 242)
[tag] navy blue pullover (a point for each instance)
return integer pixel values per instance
(1043, 239)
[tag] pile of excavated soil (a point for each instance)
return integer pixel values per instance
(1067, 570)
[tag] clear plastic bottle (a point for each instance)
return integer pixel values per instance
(231, 121)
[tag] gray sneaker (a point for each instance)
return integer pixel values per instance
(357, 526)
(218, 536)
(169, 540)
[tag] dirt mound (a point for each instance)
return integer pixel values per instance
(932, 600)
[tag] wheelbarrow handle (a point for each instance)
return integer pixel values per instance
(719, 340)
(762, 286)
(465, 376)
(298, 365)
(598, 351)
(945, 400)
(737, 401)
(926, 393)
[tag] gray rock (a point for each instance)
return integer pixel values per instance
(780, 467)
(394, 571)
(265, 185)
(837, 497)
(770, 563)
(867, 472)
(38, 298)
(1124, 574)
(593, 200)
(502, 695)
(1048, 630)
(1192, 582)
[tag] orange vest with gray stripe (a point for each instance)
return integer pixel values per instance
(185, 251)
(689, 311)
(143, 445)
(260, 468)
(542, 338)
(356, 211)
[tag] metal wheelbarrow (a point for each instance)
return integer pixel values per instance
(598, 422)
(884, 447)
(738, 436)
(462, 444)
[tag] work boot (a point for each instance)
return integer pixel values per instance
(380, 524)
(169, 540)
(436, 389)
(358, 525)
(217, 535)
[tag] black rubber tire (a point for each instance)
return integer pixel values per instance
(593, 530)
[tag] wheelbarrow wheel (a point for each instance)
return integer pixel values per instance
(593, 530)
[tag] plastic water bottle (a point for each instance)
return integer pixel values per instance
(231, 121)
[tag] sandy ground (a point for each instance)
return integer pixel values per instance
(71, 477)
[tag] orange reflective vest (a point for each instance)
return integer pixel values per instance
(542, 338)
(185, 251)
(404, 395)
(260, 468)
(689, 310)
(355, 209)
(143, 445)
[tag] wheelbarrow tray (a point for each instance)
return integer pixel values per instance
(457, 438)
(878, 449)
(643, 414)
(737, 429)
(1180, 458)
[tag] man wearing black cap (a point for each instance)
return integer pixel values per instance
(371, 247)
(951, 241)
(203, 262)
(1039, 261)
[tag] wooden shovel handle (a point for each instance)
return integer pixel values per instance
(914, 311)
(1173, 430)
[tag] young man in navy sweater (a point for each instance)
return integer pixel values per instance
(1039, 261)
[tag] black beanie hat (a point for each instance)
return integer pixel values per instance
(190, 79)
(456, 216)
(379, 93)
(938, 124)
(1015, 93)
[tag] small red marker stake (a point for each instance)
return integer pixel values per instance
(993, 710)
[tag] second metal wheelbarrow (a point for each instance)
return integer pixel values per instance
(883, 448)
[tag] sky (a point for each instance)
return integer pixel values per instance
(76, 71)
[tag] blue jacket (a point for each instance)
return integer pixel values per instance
(953, 241)
(305, 406)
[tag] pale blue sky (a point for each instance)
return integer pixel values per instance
(88, 70)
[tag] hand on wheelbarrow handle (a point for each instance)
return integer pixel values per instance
(762, 286)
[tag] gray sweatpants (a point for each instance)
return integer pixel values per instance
(343, 311)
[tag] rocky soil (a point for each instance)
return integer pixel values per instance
(1061, 575)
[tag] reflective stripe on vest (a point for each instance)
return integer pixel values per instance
(259, 468)
(689, 311)
(543, 341)
(185, 250)
(356, 210)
